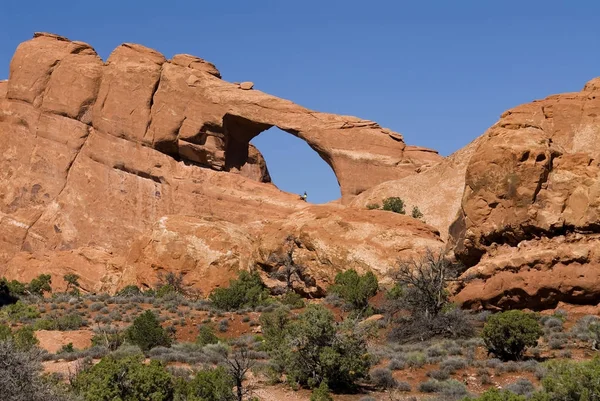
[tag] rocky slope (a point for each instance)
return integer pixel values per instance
(123, 169)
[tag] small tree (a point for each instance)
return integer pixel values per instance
(423, 283)
(315, 348)
(239, 364)
(72, 281)
(354, 288)
(146, 332)
(394, 204)
(508, 334)
(286, 268)
(39, 285)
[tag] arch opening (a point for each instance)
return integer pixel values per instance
(295, 167)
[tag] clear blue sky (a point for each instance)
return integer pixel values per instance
(439, 72)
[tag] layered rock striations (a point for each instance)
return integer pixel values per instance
(122, 169)
(529, 221)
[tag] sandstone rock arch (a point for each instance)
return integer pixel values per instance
(183, 108)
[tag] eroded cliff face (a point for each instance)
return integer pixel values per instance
(123, 169)
(529, 218)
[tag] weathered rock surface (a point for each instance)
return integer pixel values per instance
(436, 191)
(121, 170)
(530, 213)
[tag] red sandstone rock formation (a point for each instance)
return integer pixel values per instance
(530, 213)
(122, 169)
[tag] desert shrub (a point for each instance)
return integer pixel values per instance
(556, 343)
(108, 337)
(354, 288)
(394, 204)
(146, 332)
(453, 364)
(206, 335)
(20, 312)
(454, 323)
(373, 206)
(497, 395)
(223, 325)
(321, 393)
(508, 334)
(209, 385)
(72, 321)
(429, 386)
(521, 387)
(45, 324)
(5, 332)
(572, 381)
(403, 386)
(397, 364)
(441, 374)
(383, 378)
(96, 306)
(7, 294)
(125, 379)
(25, 339)
(67, 348)
(292, 299)
(416, 213)
(130, 291)
(20, 376)
(247, 291)
(314, 348)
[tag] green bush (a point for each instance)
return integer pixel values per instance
(373, 206)
(354, 288)
(314, 348)
(124, 379)
(39, 285)
(20, 312)
(394, 204)
(496, 395)
(416, 213)
(321, 393)
(293, 300)
(146, 332)
(5, 332)
(25, 339)
(210, 385)
(247, 291)
(206, 335)
(7, 294)
(508, 334)
(572, 381)
(129, 291)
